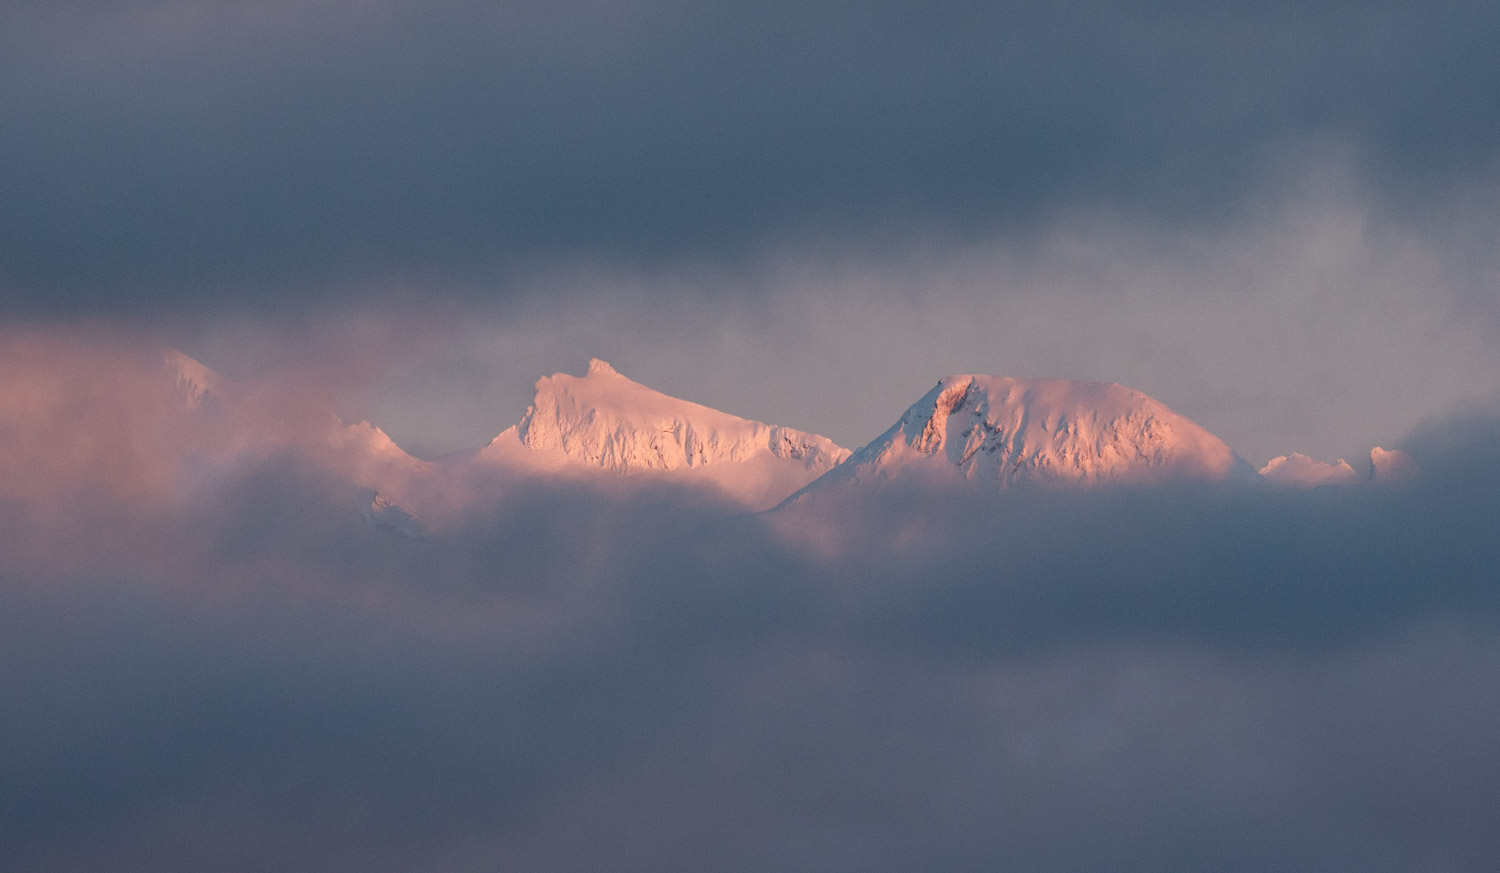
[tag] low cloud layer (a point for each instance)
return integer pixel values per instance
(603, 676)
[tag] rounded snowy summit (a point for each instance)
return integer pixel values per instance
(1003, 430)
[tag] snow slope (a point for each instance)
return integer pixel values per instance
(1005, 431)
(195, 383)
(227, 431)
(603, 421)
(1300, 471)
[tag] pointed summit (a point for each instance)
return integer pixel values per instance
(605, 421)
(1006, 431)
(195, 383)
(599, 367)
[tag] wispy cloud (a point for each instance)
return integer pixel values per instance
(1278, 219)
(626, 677)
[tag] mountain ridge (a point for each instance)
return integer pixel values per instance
(969, 430)
(605, 422)
(1007, 431)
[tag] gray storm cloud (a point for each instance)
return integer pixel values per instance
(1279, 219)
(166, 155)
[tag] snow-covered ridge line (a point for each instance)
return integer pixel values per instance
(976, 428)
(607, 420)
(1004, 431)
(1299, 471)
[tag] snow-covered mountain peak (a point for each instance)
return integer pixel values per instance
(606, 421)
(1002, 430)
(195, 382)
(599, 367)
(1300, 471)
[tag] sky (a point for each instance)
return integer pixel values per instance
(1280, 219)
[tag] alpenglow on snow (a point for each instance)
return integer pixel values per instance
(603, 421)
(993, 429)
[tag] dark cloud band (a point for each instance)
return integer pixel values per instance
(159, 156)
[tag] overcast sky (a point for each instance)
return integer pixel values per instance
(1279, 219)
